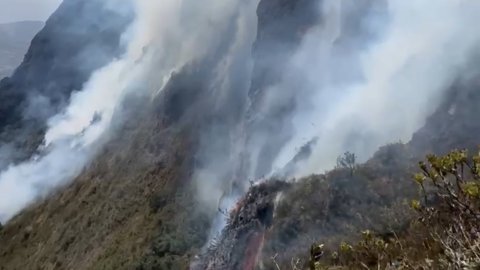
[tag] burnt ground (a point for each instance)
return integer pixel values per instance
(240, 241)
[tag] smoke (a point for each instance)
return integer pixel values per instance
(220, 145)
(165, 36)
(362, 90)
(71, 140)
(365, 76)
(367, 92)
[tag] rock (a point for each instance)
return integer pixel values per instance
(242, 238)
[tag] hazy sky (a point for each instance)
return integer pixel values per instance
(20, 10)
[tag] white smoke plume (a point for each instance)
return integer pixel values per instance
(211, 181)
(421, 51)
(164, 36)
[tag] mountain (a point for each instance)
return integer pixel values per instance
(43, 82)
(15, 40)
(154, 194)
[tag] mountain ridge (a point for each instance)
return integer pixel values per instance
(41, 85)
(16, 38)
(135, 205)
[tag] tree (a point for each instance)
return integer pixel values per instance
(347, 161)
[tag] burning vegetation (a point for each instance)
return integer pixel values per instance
(241, 240)
(322, 222)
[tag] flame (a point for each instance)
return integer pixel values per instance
(260, 250)
(254, 250)
(236, 207)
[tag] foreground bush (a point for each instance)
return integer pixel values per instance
(445, 233)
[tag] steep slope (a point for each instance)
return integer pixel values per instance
(55, 65)
(337, 206)
(281, 25)
(449, 127)
(108, 217)
(138, 207)
(15, 39)
(135, 206)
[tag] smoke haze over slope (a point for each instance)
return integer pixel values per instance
(196, 101)
(358, 94)
(163, 38)
(404, 73)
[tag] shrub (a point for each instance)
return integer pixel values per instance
(444, 234)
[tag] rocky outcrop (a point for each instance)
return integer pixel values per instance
(241, 240)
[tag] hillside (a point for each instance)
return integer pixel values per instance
(186, 153)
(41, 85)
(15, 39)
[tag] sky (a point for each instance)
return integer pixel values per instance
(21, 10)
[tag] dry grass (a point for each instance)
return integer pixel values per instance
(107, 218)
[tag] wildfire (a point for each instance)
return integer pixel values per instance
(260, 249)
(254, 250)
(235, 207)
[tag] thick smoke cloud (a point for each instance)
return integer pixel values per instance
(165, 36)
(220, 145)
(359, 92)
(389, 85)
(365, 76)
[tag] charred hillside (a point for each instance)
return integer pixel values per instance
(136, 205)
